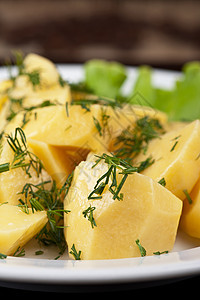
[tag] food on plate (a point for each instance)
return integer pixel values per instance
(104, 227)
(20, 166)
(99, 174)
(175, 152)
(191, 212)
(18, 227)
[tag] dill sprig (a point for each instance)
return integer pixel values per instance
(41, 197)
(88, 213)
(87, 102)
(124, 167)
(134, 140)
(23, 158)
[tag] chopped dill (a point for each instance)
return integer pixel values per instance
(134, 140)
(47, 196)
(114, 164)
(77, 255)
(88, 213)
(23, 158)
(141, 248)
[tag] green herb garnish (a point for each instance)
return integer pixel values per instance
(88, 213)
(115, 163)
(133, 141)
(77, 255)
(141, 248)
(23, 158)
(187, 196)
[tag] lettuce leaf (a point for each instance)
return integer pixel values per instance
(182, 102)
(104, 78)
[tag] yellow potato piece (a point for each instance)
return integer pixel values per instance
(190, 218)
(33, 96)
(13, 181)
(47, 69)
(58, 161)
(54, 126)
(176, 158)
(148, 212)
(4, 86)
(18, 227)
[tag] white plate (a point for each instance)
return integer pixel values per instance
(42, 272)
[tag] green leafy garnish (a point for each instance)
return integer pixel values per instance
(104, 78)
(23, 158)
(77, 255)
(180, 102)
(88, 213)
(110, 177)
(141, 248)
(134, 140)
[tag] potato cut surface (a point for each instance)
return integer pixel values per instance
(176, 158)
(148, 212)
(18, 227)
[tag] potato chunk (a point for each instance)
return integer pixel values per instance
(176, 158)
(148, 212)
(18, 227)
(59, 161)
(13, 181)
(190, 218)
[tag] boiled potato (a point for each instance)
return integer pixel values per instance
(13, 181)
(58, 161)
(47, 70)
(190, 219)
(175, 154)
(18, 227)
(148, 213)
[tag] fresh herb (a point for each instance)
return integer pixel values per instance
(141, 248)
(98, 126)
(187, 196)
(77, 255)
(67, 108)
(3, 256)
(19, 252)
(115, 163)
(61, 81)
(26, 110)
(39, 252)
(133, 141)
(173, 147)
(87, 102)
(162, 181)
(23, 158)
(47, 196)
(88, 213)
(34, 77)
(159, 253)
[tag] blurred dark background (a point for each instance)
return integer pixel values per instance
(160, 33)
